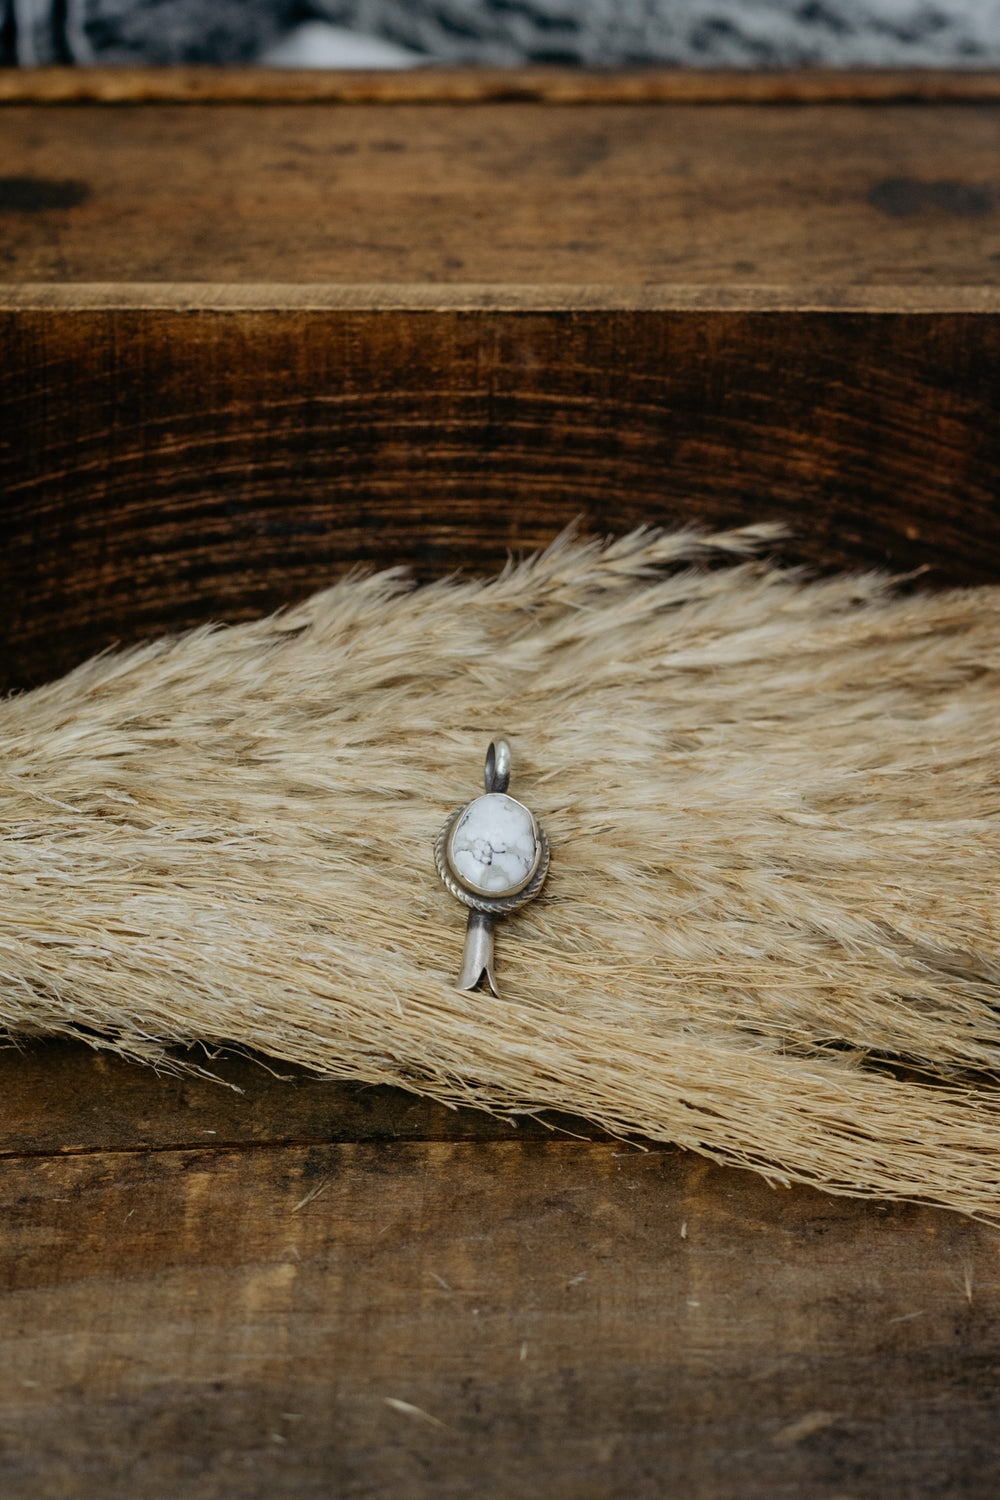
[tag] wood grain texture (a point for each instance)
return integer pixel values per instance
(425, 1300)
(60, 1098)
(215, 446)
(165, 467)
(477, 85)
(487, 297)
(484, 1319)
(538, 193)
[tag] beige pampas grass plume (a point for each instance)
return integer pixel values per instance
(770, 930)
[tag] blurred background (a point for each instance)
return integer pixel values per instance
(585, 33)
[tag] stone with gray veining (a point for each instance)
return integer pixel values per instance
(493, 847)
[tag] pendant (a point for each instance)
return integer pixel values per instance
(493, 855)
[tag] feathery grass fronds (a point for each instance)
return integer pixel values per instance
(774, 810)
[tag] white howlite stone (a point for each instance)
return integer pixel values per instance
(493, 848)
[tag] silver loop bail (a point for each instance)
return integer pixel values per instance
(497, 775)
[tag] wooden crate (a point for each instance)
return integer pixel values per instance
(260, 327)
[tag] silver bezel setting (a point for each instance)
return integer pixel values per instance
(495, 905)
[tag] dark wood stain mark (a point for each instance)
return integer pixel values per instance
(903, 197)
(34, 195)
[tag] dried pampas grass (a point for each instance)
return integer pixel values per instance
(773, 807)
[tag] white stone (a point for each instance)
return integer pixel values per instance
(493, 848)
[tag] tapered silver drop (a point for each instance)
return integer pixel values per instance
(477, 960)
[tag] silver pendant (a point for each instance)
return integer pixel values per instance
(492, 854)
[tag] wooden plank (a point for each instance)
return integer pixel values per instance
(483, 1319)
(165, 467)
(476, 85)
(539, 193)
(492, 297)
(64, 1098)
(250, 441)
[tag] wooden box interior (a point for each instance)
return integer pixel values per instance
(259, 328)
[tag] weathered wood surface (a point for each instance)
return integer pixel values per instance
(495, 1315)
(845, 193)
(624, 311)
(62, 1098)
(478, 85)
(161, 467)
